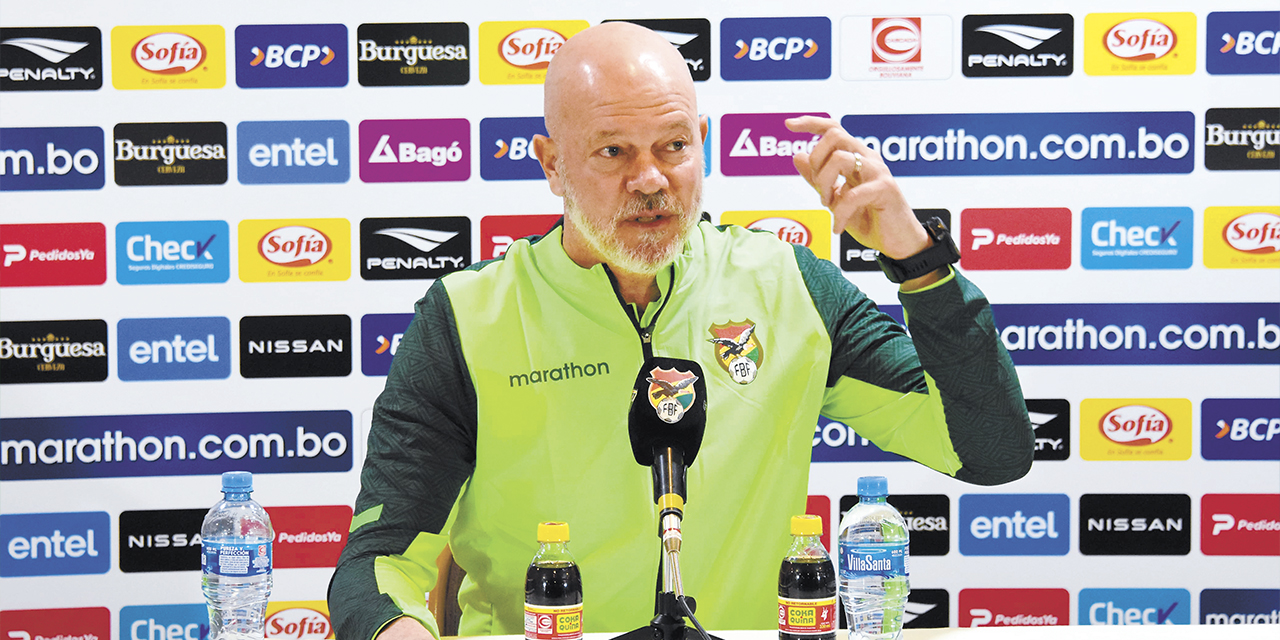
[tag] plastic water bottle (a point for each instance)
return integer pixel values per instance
(806, 585)
(236, 561)
(553, 588)
(874, 564)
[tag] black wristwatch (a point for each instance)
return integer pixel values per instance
(942, 253)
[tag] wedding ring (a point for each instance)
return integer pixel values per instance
(857, 164)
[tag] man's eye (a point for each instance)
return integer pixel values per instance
(678, 145)
(612, 152)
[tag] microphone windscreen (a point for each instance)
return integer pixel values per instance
(668, 408)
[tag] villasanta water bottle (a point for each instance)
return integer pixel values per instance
(806, 585)
(874, 563)
(553, 588)
(236, 561)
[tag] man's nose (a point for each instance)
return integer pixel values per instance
(646, 176)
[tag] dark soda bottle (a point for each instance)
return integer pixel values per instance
(553, 588)
(807, 585)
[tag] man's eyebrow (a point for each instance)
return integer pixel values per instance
(602, 136)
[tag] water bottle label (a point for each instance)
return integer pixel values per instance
(239, 559)
(552, 623)
(807, 617)
(877, 559)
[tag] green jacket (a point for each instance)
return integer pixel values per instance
(506, 406)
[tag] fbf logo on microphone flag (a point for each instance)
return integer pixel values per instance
(738, 349)
(671, 393)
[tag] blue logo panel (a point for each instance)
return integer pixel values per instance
(1136, 238)
(192, 252)
(174, 348)
(1242, 42)
(149, 622)
(174, 444)
(1240, 606)
(291, 55)
(1134, 606)
(296, 152)
(55, 544)
(1011, 144)
(775, 48)
(380, 335)
(1240, 429)
(39, 159)
(836, 442)
(506, 148)
(1015, 524)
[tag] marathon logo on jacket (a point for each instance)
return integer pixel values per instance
(1242, 237)
(1030, 143)
(174, 349)
(170, 153)
(896, 48)
(415, 150)
(807, 228)
(169, 57)
(1015, 524)
(837, 442)
(380, 335)
(1240, 524)
(298, 620)
(1027, 239)
(497, 233)
(291, 55)
(1134, 606)
(413, 54)
(519, 52)
(51, 59)
(53, 351)
(1239, 42)
(1136, 237)
(1051, 420)
(50, 255)
(55, 544)
(1027, 44)
(1135, 429)
(310, 250)
(293, 152)
(156, 621)
(1240, 429)
(1240, 606)
(308, 536)
(414, 248)
(295, 346)
(50, 158)
(1127, 44)
(775, 48)
(691, 36)
(1241, 139)
(506, 148)
(165, 540)
(759, 144)
(1135, 524)
(1014, 607)
(855, 256)
(188, 252)
(928, 518)
(90, 623)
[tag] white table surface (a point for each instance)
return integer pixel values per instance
(1136, 632)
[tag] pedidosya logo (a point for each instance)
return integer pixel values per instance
(1241, 139)
(1015, 238)
(506, 148)
(1015, 524)
(39, 159)
(53, 351)
(1242, 237)
(1014, 607)
(413, 54)
(908, 47)
(1240, 524)
(310, 536)
(415, 150)
(53, 254)
(519, 52)
(168, 57)
(1135, 524)
(380, 335)
(188, 252)
(174, 348)
(1136, 237)
(775, 48)
(315, 249)
(89, 623)
(291, 55)
(163, 540)
(1239, 42)
(807, 228)
(413, 248)
(1134, 606)
(1029, 44)
(1140, 44)
(497, 233)
(170, 153)
(293, 152)
(55, 544)
(1240, 429)
(1135, 429)
(855, 256)
(295, 346)
(51, 58)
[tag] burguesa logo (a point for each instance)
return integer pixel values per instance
(1257, 232)
(530, 48)
(294, 246)
(1135, 425)
(299, 623)
(1140, 39)
(786, 229)
(169, 53)
(895, 40)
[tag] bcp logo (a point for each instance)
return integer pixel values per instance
(1014, 607)
(1136, 237)
(1240, 606)
(43, 255)
(309, 536)
(51, 59)
(380, 335)
(152, 622)
(1134, 606)
(498, 233)
(1242, 42)
(896, 48)
(837, 442)
(1242, 237)
(90, 623)
(168, 57)
(40, 159)
(317, 249)
(197, 251)
(1240, 524)
(291, 55)
(1122, 44)
(775, 48)
(299, 620)
(810, 229)
(174, 348)
(415, 150)
(1015, 524)
(1240, 429)
(293, 152)
(1015, 239)
(506, 148)
(1135, 429)
(519, 52)
(759, 144)
(55, 544)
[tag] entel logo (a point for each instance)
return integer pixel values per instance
(1014, 524)
(530, 48)
(49, 544)
(295, 56)
(1257, 233)
(1135, 425)
(895, 40)
(294, 246)
(780, 48)
(168, 53)
(1140, 39)
(299, 623)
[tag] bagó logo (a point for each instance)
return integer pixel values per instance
(519, 52)
(807, 228)
(1239, 42)
(55, 544)
(197, 251)
(317, 249)
(1240, 429)
(1034, 44)
(39, 159)
(759, 144)
(1134, 606)
(1014, 607)
(145, 622)
(293, 152)
(1139, 44)
(415, 150)
(896, 47)
(174, 348)
(310, 536)
(291, 55)
(1136, 237)
(380, 335)
(775, 48)
(1015, 524)
(1015, 239)
(53, 254)
(168, 57)
(506, 148)
(1135, 429)
(51, 59)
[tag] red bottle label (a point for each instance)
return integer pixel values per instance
(807, 617)
(553, 623)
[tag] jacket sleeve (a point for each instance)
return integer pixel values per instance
(421, 451)
(946, 396)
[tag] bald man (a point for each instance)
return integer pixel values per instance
(507, 401)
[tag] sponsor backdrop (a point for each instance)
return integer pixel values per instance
(215, 223)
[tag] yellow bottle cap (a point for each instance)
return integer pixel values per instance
(553, 532)
(806, 525)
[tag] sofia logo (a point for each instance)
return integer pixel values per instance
(295, 246)
(530, 48)
(1140, 39)
(1136, 425)
(785, 228)
(895, 40)
(1257, 232)
(298, 623)
(168, 53)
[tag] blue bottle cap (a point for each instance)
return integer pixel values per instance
(873, 486)
(239, 482)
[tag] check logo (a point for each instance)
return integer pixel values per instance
(202, 249)
(1223, 522)
(1162, 615)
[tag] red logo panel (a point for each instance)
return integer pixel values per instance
(93, 623)
(1014, 607)
(498, 232)
(45, 255)
(821, 506)
(1240, 524)
(992, 239)
(309, 536)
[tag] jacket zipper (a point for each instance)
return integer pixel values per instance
(645, 333)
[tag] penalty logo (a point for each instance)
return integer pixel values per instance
(738, 349)
(671, 393)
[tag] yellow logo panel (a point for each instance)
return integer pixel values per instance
(298, 620)
(307, 250)
(519, 52)
(169, 57)
(1136, 429)
(1242, 237)
(811, 228)
(1140, 44)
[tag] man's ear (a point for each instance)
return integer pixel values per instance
(703, 123)
(548, 152)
